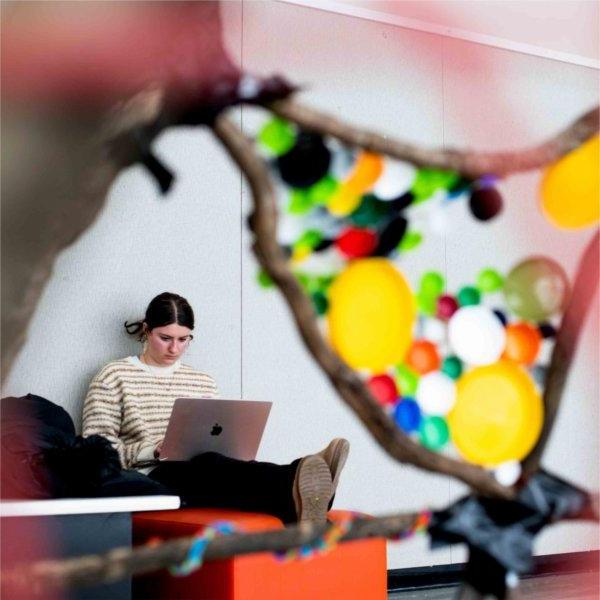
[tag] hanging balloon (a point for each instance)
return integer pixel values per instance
(523, 342)
(320, 303)
(452, 366)
(371, 314)
(501, 317)
(277, 136)
(355, 243)
(436, 393)
(428, 181)
(396, 179)
(489, 280)
(320, 193)
(423, 357)
(536, 289)
(410, 241)
(571, 188)
(485, 203)
(497, 416)
(407, 415)
(390, 237)
(547, 330)
(306, 163)
(367, 170)
(343, 201)
(469, 296)
(446, 307)
(383, 388)
(407, 380)
(371, 211)
(432, 284)
(433, 330)
(476, 335)
(434, 432)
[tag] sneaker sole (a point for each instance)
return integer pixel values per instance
(340, 449)
(315, 489)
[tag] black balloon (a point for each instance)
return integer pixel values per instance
(391, 236)
(501, 316)
(402, 202)
(485, 203)
(547, 330)
(306, 163)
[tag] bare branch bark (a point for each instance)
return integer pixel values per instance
(122, 562)
(467, 162)
(347, 383)
(582, 294)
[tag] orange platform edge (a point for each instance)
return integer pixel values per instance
(355, 569)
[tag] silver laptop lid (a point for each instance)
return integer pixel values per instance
(230, 427)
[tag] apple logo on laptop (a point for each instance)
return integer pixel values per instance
(216, 430)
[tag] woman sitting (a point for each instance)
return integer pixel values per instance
(129, 402)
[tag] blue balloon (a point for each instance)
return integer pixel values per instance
(407, 415)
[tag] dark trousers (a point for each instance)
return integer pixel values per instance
(211, 480)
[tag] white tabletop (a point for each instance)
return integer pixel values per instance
(86, 506)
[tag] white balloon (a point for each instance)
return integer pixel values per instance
(508, 473)
(432, 329)
(397, 178)
(436, 393)
(476, 335)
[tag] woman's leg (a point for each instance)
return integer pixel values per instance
(217, 481)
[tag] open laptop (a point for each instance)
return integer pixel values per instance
(231, 427)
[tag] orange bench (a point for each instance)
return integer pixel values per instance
(355, 569)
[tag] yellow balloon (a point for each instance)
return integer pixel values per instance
(343, 201)
(371, 314)
(571, 188)
(497, 415)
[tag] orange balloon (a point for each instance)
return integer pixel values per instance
(366, 172)
(523, 343)
(423, 357)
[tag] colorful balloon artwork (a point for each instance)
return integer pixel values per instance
(464, 367)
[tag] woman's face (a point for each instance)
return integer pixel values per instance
(166, 344)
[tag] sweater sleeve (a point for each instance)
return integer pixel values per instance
(102, 415)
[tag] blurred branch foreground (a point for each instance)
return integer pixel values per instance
(88, 86)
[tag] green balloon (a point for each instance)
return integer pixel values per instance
(300, 202)
(310, 238)
(278, 136)
(434, 432)
(432, 284)
(489, 280)
(370, 211)
(469, 296)
(429, 181)
(452, 366)
(427, 305)
(536, 289)
(410, 240)
(406, 380)
(320, 303)
(320, 192)
(263, 279)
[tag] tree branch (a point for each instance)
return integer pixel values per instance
(582, 294)
(347, 383)
(466, 162)
(122, 562)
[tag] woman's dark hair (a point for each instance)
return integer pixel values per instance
(164, 309)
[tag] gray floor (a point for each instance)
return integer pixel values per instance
(581, 586)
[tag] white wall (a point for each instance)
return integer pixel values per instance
(412, 85)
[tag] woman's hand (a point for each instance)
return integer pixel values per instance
(158, 449)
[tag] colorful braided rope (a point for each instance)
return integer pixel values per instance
(195, 555)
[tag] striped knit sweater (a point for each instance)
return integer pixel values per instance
(130, 405)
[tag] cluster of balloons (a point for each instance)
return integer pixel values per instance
(451, 367)
(357, 203)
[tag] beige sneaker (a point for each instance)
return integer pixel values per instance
(312, 489)
(335, 455)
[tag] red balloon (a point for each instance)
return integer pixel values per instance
(354, 242)
(446, 307)
(383, 387)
